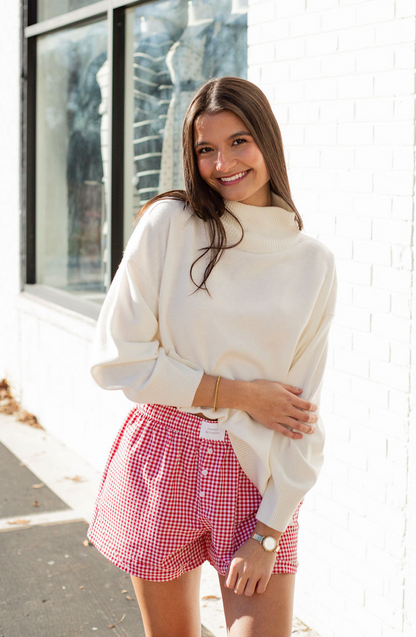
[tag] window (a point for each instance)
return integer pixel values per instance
(72, 74)
(104, 126)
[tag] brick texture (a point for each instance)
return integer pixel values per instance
(347, 96)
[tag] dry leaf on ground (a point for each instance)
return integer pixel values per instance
(210, 597)
(119, 622)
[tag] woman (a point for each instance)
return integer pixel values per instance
(216, 324)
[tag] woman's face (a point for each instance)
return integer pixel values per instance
(229, 159)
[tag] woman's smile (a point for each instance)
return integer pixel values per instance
(233, 179)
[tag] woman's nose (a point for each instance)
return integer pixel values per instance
(225, 161)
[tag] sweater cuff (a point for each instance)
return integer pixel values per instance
(278, 506)
(173, 381)
(179, 378)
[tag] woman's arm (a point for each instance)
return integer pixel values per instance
(273, 404)
(295, 467)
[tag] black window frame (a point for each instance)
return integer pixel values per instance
(114, 12)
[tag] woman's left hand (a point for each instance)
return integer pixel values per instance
(250, 569)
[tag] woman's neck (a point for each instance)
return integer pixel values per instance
(261, 198)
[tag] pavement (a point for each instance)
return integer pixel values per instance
(53, 582)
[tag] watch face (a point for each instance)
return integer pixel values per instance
(269, 543)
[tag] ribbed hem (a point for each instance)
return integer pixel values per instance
(266, 229)
(280, 499)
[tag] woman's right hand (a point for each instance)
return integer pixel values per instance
(278, 406)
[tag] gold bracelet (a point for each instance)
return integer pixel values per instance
(216, 393)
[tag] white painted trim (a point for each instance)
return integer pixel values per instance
(98, 9)
(59, 308)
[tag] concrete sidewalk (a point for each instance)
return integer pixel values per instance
(54, 583)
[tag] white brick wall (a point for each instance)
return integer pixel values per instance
(342, 81)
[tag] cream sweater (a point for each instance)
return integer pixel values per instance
(271, 306)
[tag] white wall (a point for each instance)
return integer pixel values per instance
(340, 76)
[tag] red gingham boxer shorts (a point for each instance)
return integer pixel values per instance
(169, 499)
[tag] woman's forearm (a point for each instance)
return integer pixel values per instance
(273, 404)
(231, 393)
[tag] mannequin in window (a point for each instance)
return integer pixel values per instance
(185, 62)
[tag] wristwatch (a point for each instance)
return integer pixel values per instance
(268, 542)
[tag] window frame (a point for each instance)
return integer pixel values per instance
(114, 12)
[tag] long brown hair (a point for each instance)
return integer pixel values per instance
(248, 102)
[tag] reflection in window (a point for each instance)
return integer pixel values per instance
(172, 47)
(72, 81)
(52, 8)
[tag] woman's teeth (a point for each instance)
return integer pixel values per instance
(234, 177)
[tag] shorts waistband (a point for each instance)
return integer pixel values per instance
(182, 421)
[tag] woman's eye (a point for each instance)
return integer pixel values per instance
(204, 150)
(239, 141)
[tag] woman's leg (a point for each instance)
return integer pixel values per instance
(170, 608)
(268, 614)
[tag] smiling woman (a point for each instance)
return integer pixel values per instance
(215, 459)
(229, 159)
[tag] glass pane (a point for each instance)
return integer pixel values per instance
(51, 8)
(71, 159)
(172, 47)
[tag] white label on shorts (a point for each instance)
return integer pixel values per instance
(211, 431)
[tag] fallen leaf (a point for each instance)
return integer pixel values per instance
(76, 478)
(36, 503)
(211, 597)
(28, 419)
(82, 587)
(19, 521)
(119, 622)
(38, 486)
(86, 542)
(123, 592)
(129, 598)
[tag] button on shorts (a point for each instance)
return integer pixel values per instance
(169, 499)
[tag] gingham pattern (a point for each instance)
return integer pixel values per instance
(169, 500)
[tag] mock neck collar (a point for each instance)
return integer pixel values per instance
(266, 228)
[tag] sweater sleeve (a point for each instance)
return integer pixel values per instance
(295, 464)
(127, 353)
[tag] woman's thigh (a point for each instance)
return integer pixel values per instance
(170, 608)
(268, 614)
